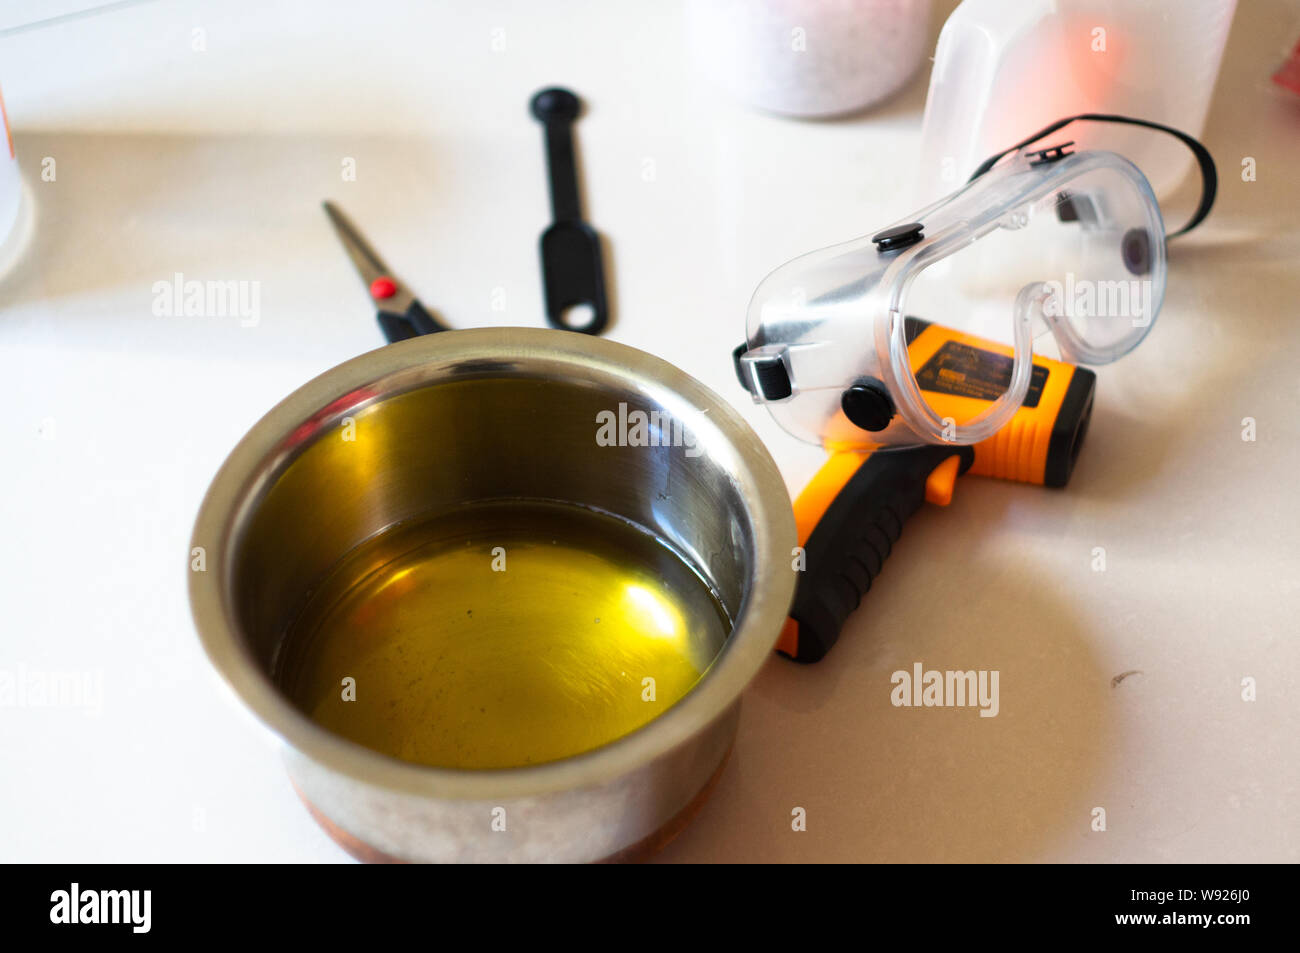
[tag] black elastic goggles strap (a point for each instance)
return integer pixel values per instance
(1209, 176)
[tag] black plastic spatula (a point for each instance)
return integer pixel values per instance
(573, 273)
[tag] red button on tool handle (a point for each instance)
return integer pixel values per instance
(382, 288)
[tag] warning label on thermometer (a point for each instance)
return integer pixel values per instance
(965, 371)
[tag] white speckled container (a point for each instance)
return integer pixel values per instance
(805, 58)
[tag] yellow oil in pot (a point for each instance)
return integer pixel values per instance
(501, 634)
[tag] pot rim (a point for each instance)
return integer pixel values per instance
(260, 456)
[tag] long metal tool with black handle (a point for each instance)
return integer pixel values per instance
(399, 312)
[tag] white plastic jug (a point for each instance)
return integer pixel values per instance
(1004, 70)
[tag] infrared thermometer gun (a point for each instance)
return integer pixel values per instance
(852, 512)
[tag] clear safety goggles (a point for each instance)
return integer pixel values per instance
(1040, 246)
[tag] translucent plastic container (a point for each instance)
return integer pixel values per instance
(1002, 71)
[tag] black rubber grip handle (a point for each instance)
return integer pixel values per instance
(854, 537)
(395, 327)
(416, 320)
(418, 317)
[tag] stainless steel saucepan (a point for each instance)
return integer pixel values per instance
(480, 415)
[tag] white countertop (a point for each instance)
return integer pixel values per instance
(213, 164)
